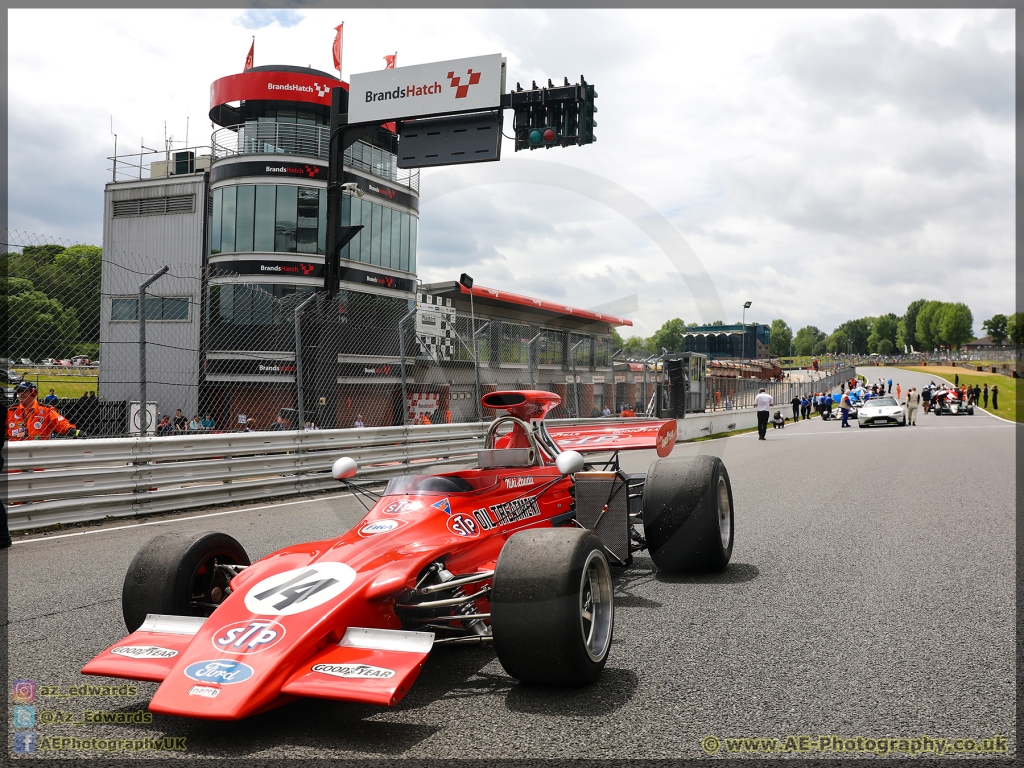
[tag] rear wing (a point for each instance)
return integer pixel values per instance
(617, 436)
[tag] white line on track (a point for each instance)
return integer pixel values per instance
(179, 519)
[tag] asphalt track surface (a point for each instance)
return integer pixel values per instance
(871, 593)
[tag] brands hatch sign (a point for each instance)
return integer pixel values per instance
(441, 87)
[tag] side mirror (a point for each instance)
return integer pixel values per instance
(569, 462)
(344, 468)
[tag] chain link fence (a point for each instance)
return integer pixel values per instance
(229, 352)
(728, 393)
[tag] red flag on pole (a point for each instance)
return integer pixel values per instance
(248, 59)
(337, 48)
(391, 61)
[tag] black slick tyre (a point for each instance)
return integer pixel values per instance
(552, 610)
(688, 515)
(174, 574)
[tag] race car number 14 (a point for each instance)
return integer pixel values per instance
(299, 589)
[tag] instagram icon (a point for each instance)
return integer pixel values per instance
(23, 691)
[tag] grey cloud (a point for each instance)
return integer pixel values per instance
(865, 64)
(64, 198)
(950, 158)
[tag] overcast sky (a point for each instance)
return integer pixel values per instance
(824, 165)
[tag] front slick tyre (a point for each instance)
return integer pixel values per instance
(552, 610)
(175, 574)
(687, 514)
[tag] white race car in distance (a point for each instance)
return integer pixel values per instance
(880, 411)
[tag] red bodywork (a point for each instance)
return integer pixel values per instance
(281, 632)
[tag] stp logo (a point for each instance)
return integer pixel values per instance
(250, 636)
(463, 525)
(461, 89)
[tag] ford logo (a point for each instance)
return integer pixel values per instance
(219, 671)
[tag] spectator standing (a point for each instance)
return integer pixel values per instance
(844, 407)
(796, 407)
(763, 402)
(51, 400)
(31, 420)
(956, 379)
(359, 422)
(805, 407)
(995, 397)
(984, 395)
(926, 399)
(890, 387)
(180, 422)
(913, 400)
(606, 412)
(899, 392)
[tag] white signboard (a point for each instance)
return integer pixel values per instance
(134, 427)
(460, 85)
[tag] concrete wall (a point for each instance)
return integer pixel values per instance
(135, 247)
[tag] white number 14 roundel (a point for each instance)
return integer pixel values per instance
(299, 589)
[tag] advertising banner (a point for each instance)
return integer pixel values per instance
(441, 87)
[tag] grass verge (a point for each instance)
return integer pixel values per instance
(1007, 386)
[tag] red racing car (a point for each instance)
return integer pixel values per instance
(516, 552)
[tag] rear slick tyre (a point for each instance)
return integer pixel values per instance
(688, 514)
(552, 610)
(174, 574)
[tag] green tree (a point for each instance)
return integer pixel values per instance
(926, 328)
(885, 347)
(1015, 327)
(837, 343)
(637, 346)
(76, 284)
(857, 331)
(37, 325)
(805, 340)
(781, 339)
(820, 347)
(905, 335)
(883, 329)
(956, 325)
(996, 328)
(670, 336)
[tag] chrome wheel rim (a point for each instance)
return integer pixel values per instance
(724, 513)
(597, 610)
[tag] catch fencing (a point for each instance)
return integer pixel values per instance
(732, 393)
(236, 354)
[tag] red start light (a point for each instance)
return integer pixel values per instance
(549, 135)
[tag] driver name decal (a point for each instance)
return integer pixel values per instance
(364, 671)
(299, 589)
(518, 482)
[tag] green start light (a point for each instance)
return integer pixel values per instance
(535, 136)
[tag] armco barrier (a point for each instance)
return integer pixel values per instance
(70, 481)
